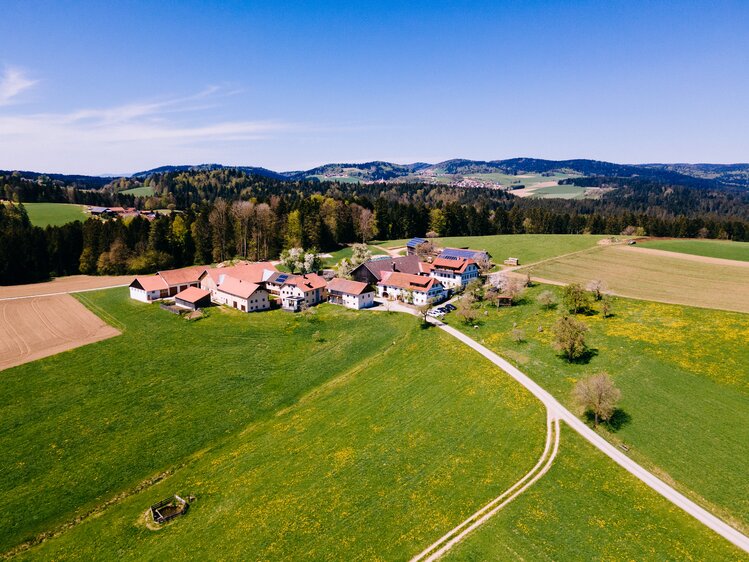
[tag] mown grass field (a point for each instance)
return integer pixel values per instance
(335, 434)
(143, 191)
(583, 509)
(529, 248)
(346, 252)
(54, 214)
(630, 272)
(559, 192)
(723, 249)
(684, 377)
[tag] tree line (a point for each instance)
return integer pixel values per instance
(212, 216)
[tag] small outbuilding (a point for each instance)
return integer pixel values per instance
(192, 298)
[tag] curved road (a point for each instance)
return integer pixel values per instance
(556, 409)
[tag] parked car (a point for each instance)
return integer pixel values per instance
(450, 307)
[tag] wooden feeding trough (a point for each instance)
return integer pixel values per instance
(168, 509)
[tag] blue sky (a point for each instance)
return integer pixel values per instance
(99, 87)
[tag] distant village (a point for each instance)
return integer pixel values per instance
(413, 278)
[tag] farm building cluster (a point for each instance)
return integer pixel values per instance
(254, 287)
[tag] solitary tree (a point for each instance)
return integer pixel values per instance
(569, 337)
(575, 298)
(423, 313)
(597, 394)
(518, 335)
(606, 306)
(597, 287)
(546, 299)
(465, 311)
(360, 253)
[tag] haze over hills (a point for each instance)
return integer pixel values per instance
(469, 173)
(729, 175)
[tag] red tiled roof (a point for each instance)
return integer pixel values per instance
(307, 282)
(192, 295)
(150, 283)
(181, 276)
(237, 287)
(417, 283)
(348, 287)
(250, 272)
(458, 265)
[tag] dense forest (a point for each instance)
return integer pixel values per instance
(214, 215)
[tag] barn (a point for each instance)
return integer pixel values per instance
(192, 298)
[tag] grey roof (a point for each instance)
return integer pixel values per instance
(458, 253)
(404, 264)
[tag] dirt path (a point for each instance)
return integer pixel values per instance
(37, 327)
(440, 547)
(62, 285)
(687, 257)
(558, 410)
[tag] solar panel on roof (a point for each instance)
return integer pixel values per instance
(282, 278)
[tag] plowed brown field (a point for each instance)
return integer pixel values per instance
(36, 327)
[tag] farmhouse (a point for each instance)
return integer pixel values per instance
(453, 273)
(165, 284)
(257, 273)
(301, 291)
(192, 298)
(417, 289)
(242, 295)
(371, 272)
(351, 294)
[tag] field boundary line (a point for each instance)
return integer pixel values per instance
(701, 514)
(62, 293)
(101, 313)
(458, 533)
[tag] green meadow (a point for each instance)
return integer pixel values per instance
(583, 509)
(143, 191)
(559, 192)
(346, 252)
(529, 248)
(684, 377)
(723, 249)
(54, 214)
(328, 434)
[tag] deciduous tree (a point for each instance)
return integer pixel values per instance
(569, 337)
(597, 394)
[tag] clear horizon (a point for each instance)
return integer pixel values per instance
(116, 89)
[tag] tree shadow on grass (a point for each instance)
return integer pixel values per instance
(618, 420)
(584, 359)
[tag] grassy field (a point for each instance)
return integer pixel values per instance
(584, 509)
(684, 376)
(54, 214)
(144, 191)
(723, 249)
(307, 435)
(529, 248)
(346, 252)
(632, 273)
(559, 192)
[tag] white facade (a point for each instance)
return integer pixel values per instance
(452, 280)
(292, 297)
(357, 302)
(144, 296)
(255, 302)
(418, 298)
